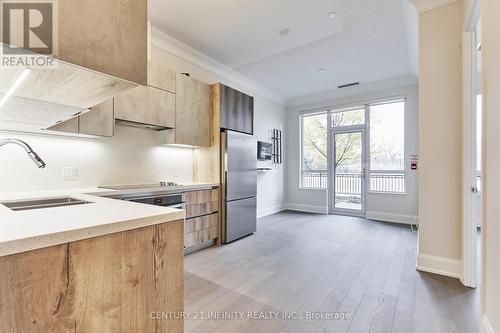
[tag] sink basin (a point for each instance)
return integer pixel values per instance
(29, 204)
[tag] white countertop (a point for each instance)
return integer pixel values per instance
(183, 187)
(27, 230)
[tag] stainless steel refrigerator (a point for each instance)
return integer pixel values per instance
(239, 185)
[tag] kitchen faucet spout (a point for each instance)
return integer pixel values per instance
(31, 153)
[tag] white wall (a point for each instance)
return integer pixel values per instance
(390, 207)
(491, 161)
(440, 140)
(132, 156)
(270, 184)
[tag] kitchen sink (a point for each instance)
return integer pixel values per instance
(29, 204)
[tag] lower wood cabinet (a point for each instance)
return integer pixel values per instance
(202, 202)
(201, 229)
(202, 217)
(113, 283)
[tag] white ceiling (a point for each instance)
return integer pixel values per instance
(368, 41)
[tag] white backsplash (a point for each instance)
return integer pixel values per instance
(131, 157)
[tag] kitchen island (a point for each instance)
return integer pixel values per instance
(94, 265)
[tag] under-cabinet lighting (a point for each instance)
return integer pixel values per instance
(13, 88)
(178, 145)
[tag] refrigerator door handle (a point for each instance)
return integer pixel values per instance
(225, 185)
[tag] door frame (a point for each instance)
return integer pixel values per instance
(469, 227)
(363, 129)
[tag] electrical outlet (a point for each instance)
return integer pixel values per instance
(70, 173)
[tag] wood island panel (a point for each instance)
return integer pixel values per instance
(110, 283)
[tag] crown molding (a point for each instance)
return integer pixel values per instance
(175, 47)
(428, 5)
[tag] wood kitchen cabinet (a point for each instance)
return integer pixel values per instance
(99, 121)
(152, 105)
(160, 76)
(98, 49)
(109, 36)
(111, 283)
(146, 106)
(202, 217)
(236, 110)
(193, 114)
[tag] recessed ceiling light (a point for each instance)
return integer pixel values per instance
(284, 32)
(332, 15)
(321, 70)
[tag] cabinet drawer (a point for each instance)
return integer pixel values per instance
(203, 208)
(202, 196)
(199, 223)
(202, 203)
(201, 229)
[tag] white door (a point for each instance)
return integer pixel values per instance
(477, 177)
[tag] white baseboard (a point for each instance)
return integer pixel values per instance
(486, 326)
(270, 210)
(391, 217)
(307, 208)
(439, 265)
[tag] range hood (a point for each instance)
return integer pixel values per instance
(37, 98)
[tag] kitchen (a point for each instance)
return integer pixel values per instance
(100, 148)
(244, 166)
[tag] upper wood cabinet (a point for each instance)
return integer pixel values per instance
(146, 106)
(193, 114)
(98, 121)
(106, 36)
(236, 110)
(160, 76)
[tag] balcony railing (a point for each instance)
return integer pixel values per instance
(387, 182)
(350, 183)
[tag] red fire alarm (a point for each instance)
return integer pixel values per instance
(414, 162)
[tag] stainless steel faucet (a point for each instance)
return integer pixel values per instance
(34, 156)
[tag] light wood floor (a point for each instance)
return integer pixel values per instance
(298, 263)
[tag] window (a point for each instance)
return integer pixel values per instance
(387, 160)
(350, 117)
(314, 151)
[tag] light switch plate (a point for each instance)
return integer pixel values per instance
(70, 173)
